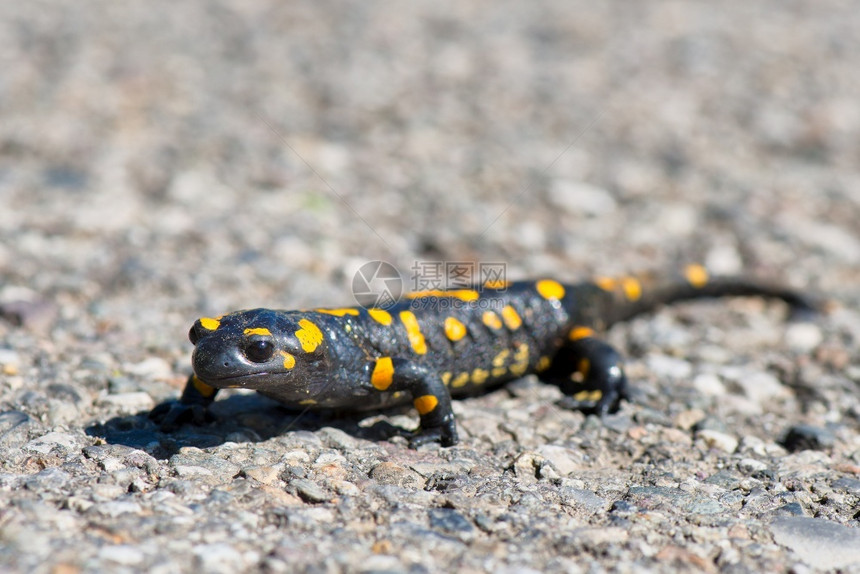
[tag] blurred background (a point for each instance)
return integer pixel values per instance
(161, 161)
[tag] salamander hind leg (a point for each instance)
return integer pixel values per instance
(429, 396)
(589, 372)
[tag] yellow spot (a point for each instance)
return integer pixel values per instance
(380, 316)
(258, 331)
(632, 288)
(519, 369)
(425, 404)
(550, 289)
(383, 373)
(309, 335)
(580, 332)
(496, 284)
(289, 360)
(592, 396)
(462, 294)
(339, 312)
(491, 320)
(511, 318)
(446, 378)
(606, 283)
(522, 352)
(696, 275)
(460, 380)
(202, 388)
(209, 323)
(521, 360)
(500, 359)
(479, 376)
(499, 371)
(584, 366)
(307, 402)
(543, 364)
(454, 329)
(413, 331)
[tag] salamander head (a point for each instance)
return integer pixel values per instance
(259, 349)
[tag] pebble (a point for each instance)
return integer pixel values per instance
(264, 474)
(114, 508)
(310, 491)
(803, 337)
(808, 437)
(151, 368)
(719, 440)
(394, 474)
(581, 198)
(449, 521)
(123, 554)
(584, 499)
(751, 466)
(15, 429)
(564, 459)
(192, 462)
(53, 440)
(219, 558)
(50, 479)
(128, 402)
(817, 542)
(670, 367)
(709, 384)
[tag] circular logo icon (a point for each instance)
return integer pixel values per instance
(377, 284)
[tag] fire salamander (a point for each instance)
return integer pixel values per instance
(433, 345)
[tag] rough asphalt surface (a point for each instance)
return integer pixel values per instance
(163, 161)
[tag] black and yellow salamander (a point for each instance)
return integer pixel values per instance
(433, 345)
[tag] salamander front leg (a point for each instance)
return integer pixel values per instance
(589, 371)
(192, 406)
(429, 395)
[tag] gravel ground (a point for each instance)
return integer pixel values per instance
(162, 161)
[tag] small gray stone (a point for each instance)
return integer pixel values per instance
(394, 474)
(114, 508)
(580, 197)
(449, 521)
(310, 491)
(803, 337)
(128, 402)
(582, 498)
(50, 479)
(808, 437)
(219, 558)
(14, 428)
(751, 466)
(719, 440)
(53, 440)
(191, 462)
(819, 543)
(849, 485)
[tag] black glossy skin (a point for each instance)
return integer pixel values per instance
(350, 359)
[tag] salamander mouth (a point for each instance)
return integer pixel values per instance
(230, 381)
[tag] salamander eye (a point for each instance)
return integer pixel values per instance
(260, 350)
(194, 335)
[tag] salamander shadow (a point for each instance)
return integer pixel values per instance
(238, 418)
